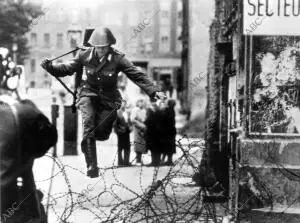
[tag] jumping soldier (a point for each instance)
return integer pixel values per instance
(98, 96)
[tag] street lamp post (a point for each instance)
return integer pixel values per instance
(185, 62)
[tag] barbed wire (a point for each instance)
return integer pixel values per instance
(163, 200)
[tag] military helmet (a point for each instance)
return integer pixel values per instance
(102, 37)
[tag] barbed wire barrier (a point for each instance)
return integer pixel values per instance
(169, 196)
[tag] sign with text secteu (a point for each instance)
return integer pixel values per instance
(271, 17)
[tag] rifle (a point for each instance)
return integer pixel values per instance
(78, 75)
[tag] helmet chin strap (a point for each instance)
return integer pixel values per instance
(103, 52)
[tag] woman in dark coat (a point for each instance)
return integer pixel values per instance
(154, 132)
(25, 134)
(169, 139)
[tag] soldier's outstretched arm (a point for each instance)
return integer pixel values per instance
(139, 77)
(62, 69)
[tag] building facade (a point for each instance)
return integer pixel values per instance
(253, 112)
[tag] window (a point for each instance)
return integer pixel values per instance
(148, 47)
(179, 12)
(274, 85)
(165, 18)
(178, 41)
(33, 39)
(179, 18)
(74, 38)
(164, 43)
(74, 16)
(47, 40)
(59, 40)
(113, 18)
(132, 46)
(32, 65)
(164, 14)
(164, 39)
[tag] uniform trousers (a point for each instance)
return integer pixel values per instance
(97, 118)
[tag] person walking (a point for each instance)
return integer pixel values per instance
(98, 96)
(138, 117)
(122, 127)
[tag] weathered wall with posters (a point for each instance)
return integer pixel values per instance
(272, 147)
(265, 108)
(275, 85)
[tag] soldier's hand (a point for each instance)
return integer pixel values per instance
(118, 105)
(159, 95)
(46, 64)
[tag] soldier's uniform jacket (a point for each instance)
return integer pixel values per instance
(100, 75)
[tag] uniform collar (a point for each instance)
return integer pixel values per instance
(93, 57)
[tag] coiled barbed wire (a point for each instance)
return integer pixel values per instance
(163, 200)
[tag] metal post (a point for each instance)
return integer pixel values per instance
(70, 131)
(70, 116)
(54, 115)
(185, 55)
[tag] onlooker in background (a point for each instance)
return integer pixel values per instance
(25, 134)
(122, 127)
(167, 86)
(155, 132)
(169, 139)
(137, 118)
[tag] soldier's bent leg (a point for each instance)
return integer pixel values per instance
(88, 143)
(104, 119)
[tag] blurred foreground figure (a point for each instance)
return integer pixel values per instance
(25, 134)
(122, 128)
(99, 97)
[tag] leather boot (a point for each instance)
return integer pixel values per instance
(91, 158)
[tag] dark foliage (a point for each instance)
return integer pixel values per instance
(16, 18)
